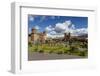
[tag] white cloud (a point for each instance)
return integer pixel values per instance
(53, 32)
(49, 28)
(80, 31)
(29, 30)
(72, 26)
(68, 22)
(55, 35)
(37, 27)
(31, 18)
(65, 27)
(60, 27)
(72, 29)
(42, 18)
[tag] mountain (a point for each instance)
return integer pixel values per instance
(83, 36)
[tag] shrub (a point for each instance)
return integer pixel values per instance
(69, 52)
(65, 51)
(59, 52)
(51, 51)
(82, 53)
(36, 49)
(41, 51)
(30, 44)
(73, 49)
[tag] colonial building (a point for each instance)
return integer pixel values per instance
(36, 36)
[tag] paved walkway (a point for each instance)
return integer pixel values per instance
(45, 56)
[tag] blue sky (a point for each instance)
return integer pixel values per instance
(58, 24)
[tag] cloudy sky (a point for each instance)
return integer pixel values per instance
(55, 26)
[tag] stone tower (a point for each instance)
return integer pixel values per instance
(34, 35)
(42, 37)
(67, 36)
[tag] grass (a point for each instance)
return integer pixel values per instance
(57, 49)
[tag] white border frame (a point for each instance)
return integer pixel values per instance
(16, 60)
